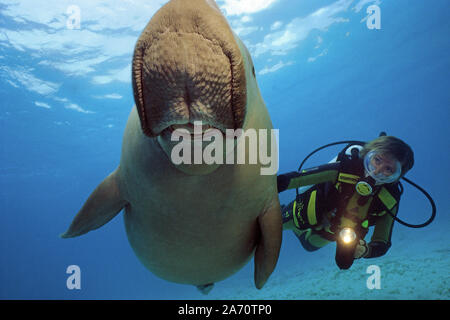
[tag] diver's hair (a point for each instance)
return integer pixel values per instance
(393, 146)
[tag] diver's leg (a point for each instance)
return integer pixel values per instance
(287, 215)
(304, 222)
(310, 240)
(293, 214)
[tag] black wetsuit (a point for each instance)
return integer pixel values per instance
(317, 210)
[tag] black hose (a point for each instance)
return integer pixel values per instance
(433, 206)
(329, 145)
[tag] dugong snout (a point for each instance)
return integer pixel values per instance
(187, 67)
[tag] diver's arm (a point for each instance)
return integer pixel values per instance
(381, 238)
(320, 174)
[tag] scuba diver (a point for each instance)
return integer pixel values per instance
(340, 200)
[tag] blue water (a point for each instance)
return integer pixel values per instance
(66, 95)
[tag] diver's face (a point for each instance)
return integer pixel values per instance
(384, 164)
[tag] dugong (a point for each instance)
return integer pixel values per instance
(191, 223)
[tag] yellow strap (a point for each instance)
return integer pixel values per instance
(387, 199)
(365, 224)
(348, 178)
(312, 208)
(295, 215)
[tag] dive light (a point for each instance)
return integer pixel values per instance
(347, 235)
(345, 247)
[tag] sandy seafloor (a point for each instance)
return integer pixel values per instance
(408, 271)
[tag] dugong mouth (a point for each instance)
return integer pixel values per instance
(187, 67)
(195, 132)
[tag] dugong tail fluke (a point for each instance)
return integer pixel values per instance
(206, 288)
(103, 204)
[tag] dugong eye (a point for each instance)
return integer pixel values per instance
(253, 71)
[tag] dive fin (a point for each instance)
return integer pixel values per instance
(268, 247)
(101, 206)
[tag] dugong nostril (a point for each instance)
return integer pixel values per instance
(189, 70)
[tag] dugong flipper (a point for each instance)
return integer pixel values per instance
(101, 206)
(192, 223)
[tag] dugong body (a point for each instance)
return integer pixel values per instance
(190, 223)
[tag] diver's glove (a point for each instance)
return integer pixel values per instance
(361, 249)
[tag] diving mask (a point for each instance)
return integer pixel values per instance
(381, 168)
